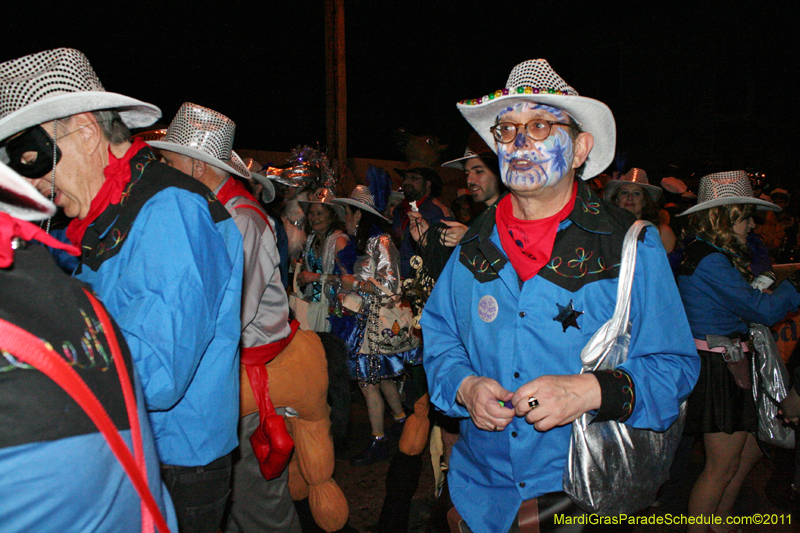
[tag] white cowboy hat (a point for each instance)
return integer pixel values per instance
(205, 135)
(20, 199)
(535, 81)
(476, 147)
(268, 189)
(362, 198)
(727, 188)
(325, 196)
(636, 176)
(59, 83)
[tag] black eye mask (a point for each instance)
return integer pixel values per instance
(35, 140)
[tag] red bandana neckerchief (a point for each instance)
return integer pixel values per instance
(11, 227)
(529, 243)
(233, 187)
(117, 175)
(405, 205)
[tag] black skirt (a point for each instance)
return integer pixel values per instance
(717, 404)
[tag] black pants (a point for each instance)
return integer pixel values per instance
(199, 493)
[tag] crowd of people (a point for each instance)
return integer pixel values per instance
(234, 285)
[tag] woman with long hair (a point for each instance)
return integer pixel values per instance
(634, 193)
(372, 254)
(326, 239)
(714, 283)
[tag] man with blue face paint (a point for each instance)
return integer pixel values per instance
(529, 284)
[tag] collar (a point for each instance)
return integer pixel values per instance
(480, 255)
(589, 213)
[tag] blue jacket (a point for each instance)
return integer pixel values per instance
(480, 320)
(57, 473)
(719, 301)
(167, 262)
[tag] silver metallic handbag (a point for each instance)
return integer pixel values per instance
(613, 468)
(770, 379)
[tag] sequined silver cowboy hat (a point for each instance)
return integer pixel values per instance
(205, 135)
(59, 83)
(727, 188)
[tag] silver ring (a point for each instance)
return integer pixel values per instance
(533, 402)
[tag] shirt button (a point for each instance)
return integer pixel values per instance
(522, 314)
(514, 434)
(516, 374)
(522, 484)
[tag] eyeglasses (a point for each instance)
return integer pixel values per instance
(536, 129)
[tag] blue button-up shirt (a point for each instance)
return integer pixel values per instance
(480, 320)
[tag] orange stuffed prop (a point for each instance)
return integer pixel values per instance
(298, 380)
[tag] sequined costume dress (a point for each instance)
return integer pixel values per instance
(327, 264)
(380, 262)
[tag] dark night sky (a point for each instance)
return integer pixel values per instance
(700, 89)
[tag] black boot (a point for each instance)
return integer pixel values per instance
(402, 480)
(377, 450)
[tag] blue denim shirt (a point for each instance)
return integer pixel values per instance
(480, 320)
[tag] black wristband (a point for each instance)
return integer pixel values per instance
(617, 393)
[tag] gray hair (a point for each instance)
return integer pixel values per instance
(114, 130)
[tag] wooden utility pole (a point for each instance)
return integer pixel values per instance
(335, 81)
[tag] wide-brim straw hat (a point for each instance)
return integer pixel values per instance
(726, 188)
(206, 135)
(59, 83)
(362, 199)
(476, 147)
(20, 199)
(535, 81)
(325, 196)
(268, 189)
(637, 176)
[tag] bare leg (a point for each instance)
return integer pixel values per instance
(723, 453)
(392, 395)
(375, 408)
(750, 456)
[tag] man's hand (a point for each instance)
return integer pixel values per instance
(561, 399)
(482, 396)
(417, 225)
(453, 233)
(790, 407)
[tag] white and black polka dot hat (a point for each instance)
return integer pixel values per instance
(59, 83)
(205, 135)
(536, 81)
(727, 188)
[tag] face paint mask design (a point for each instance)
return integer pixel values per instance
(31, 153)
(526, 164)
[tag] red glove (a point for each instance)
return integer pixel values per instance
(271, 442)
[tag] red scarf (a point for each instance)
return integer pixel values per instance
(117, 175)
(529, 243)
(405, 205)
(11, 227)
(233, 188)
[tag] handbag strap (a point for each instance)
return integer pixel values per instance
(382, 287)
(29, 349)
(622, 310)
